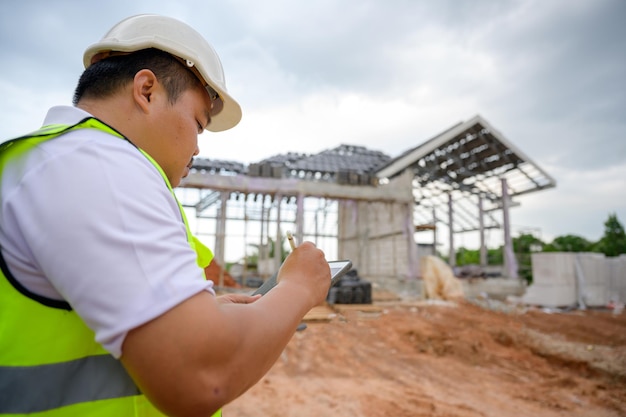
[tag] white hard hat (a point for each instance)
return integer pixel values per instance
(179, 39)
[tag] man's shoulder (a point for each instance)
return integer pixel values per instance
(83, 155)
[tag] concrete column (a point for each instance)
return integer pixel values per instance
(414, 252)
(261, 197)
(509, 256)
(452, 261)
(266, 230)
(220, 236)
(299, 218)
(481, 228)
(435, 243)
(278, 245)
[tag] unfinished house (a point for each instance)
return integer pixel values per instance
(361, 204)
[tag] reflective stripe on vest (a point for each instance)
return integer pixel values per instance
(74, 375)
(38, 388)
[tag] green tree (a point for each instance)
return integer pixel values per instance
(613, 242)
(472, 256)
(523, 246)
(526, 243)
(495, 256)
(569, 243)
(467, 257)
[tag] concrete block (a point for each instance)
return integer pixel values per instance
(553, 268)
(595, 295)
(594, 268)
(550, 295)
(498, 288)
(617, 278)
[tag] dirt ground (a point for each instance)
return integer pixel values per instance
(453, 359)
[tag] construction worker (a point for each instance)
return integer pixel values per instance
(104, 310)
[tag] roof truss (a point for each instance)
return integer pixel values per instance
(465, 163)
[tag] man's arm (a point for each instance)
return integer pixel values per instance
(201, 354)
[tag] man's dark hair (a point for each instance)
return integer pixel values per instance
(106, 77)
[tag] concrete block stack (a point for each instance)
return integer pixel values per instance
(576, 279)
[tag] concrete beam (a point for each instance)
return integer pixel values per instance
(400, 193)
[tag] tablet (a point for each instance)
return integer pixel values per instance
(337, 270)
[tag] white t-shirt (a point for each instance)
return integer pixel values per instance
(86, 218)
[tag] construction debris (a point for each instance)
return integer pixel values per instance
(439, 280)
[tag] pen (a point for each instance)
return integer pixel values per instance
(292, 243)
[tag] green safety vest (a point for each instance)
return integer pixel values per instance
(50, 363)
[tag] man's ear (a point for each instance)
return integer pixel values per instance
(144, 85)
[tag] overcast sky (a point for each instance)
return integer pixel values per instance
(550, 75)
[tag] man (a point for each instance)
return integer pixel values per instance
(95, 245)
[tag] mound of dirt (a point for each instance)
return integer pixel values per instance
(453, 359)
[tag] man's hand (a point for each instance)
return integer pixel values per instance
(306, 268)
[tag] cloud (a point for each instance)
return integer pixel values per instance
(581, 203)
(386, 75)
(563, 66)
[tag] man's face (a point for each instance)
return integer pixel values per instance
(175, 131)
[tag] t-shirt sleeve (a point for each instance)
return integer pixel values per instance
(107, 233)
